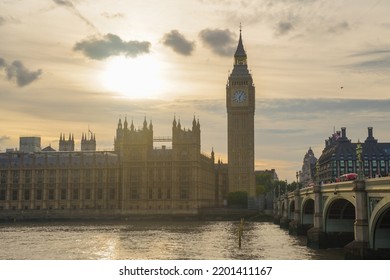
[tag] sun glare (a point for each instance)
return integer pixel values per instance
(139, 77)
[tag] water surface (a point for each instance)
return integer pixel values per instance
(167, 240)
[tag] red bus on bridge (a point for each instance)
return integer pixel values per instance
(347, 177)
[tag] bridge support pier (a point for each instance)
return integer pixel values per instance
(277, 219)
(277, 210)
(359, 248)
(284, 221)
(296, 227)
(316, 238)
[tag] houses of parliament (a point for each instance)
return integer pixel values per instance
(136, 177)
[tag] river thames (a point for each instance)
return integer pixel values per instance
(154, 240)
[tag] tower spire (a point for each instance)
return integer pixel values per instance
(240, 55)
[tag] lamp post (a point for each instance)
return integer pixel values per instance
(359, 151)
(298, 175)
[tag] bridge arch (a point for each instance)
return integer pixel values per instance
(339, 221)
(307, 212)
(380, 225)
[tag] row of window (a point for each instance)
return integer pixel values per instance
(52, 173)
(184, 193)
(75, 194)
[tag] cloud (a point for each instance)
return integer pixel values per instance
(379, 64)
(283, 27)
(111, 45)
(5, 20)
(18, 72)
(4, 138)
(71, 7)
(178, 43)
(221, 42)
(339, 27)
(372, 52)
(112, 16)
(372, 60)
(63, 3)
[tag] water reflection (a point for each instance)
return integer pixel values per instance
(154, 240)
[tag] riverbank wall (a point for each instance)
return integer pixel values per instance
(213, 214)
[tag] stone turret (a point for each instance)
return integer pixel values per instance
(66, 145)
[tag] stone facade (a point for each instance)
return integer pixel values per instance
(59, 181)
(162, 180)
(339, 157)
(240, 103)
(135, 178)
(307, 174)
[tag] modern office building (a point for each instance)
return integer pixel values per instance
(29, 144)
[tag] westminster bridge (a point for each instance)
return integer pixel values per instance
(352, 214)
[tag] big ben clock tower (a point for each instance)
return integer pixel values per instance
(240, 103)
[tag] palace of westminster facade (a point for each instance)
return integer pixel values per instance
(136, 177)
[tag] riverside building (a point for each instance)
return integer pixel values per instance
(137, 178)
(339, 157)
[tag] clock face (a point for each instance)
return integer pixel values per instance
(239, 97)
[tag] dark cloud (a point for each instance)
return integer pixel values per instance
(386, 25)
(284, 27)
(374, 65)
(5, 20)
(316, 109)
(221, 42)
(339, 28)
(63, 3)
(71, 7)
(372, 52)
(372, 60)
(283, 131)
(178, 43)
(18, 72)
(111, 45)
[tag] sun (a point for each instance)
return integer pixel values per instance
(139, 78)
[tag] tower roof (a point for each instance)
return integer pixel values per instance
(240, 68)
(240, 51)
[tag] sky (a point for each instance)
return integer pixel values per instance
(70, 66)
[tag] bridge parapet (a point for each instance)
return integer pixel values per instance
(338, 187)
(382, 184)
(306, 191)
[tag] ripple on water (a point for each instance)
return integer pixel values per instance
(154, 240)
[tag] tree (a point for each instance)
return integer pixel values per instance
(264, 183)
(238, 199)
(279, 185)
